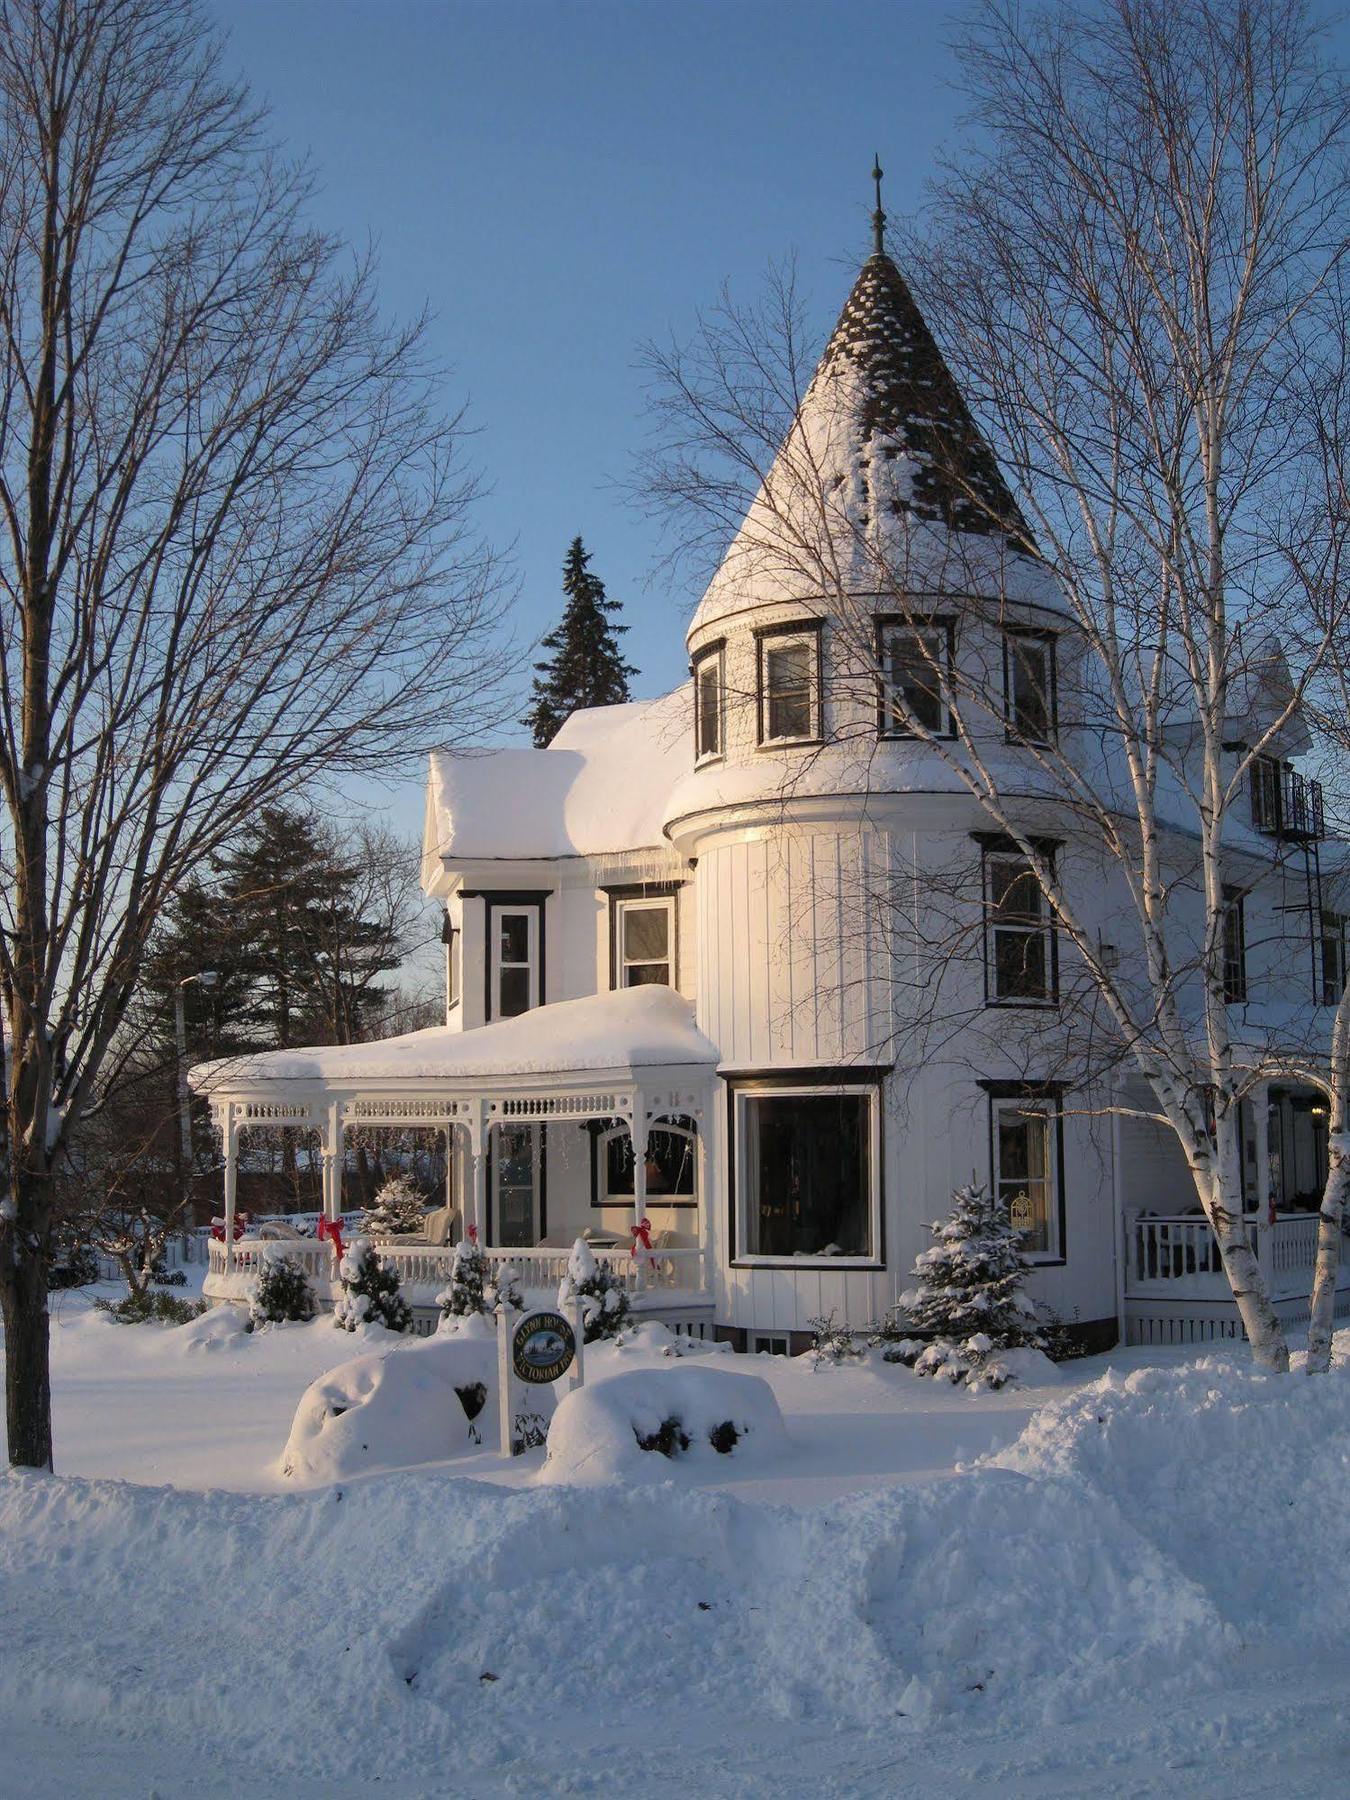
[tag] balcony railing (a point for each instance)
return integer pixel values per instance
(1286, 804)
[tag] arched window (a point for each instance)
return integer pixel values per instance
(671, 1154)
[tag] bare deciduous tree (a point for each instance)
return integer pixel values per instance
(234, 543)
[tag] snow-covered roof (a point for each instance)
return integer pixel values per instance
(633, 1028)
(600, 787)
(884, 477)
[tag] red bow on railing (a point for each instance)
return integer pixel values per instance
(240, 1226)
(642, 1234)
(332, 1229)
(472, 1234)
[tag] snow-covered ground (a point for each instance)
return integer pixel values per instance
(1129, 1581)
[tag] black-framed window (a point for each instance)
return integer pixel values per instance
(710, 704)
(1234, 945)
(789, 686)
(1021, 950)
(671, 1165)
(513, 960)
(1332, 958)
(644, 942)
(1030, 681)
(915, 658)
(808, 1173)
(1028, 1169)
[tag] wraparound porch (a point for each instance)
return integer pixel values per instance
(629, 1063)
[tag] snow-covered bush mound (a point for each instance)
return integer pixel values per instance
(637, 1426)
(413, 1403)
(219, 1328)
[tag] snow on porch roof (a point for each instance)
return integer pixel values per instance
(634, 1028)
(599, 788)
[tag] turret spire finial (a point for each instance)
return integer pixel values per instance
(878, 217)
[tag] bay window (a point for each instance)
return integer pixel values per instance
(645, 942)
(808, 1172)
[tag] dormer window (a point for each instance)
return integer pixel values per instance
(1029, 686)
(789, 684)
(915, 661)
(709, 705)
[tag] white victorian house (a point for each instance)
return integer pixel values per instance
(748, 963)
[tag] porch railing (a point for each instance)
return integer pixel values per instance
(1178, 1256)
(420, 1266)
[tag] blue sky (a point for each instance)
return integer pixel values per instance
(561, 182)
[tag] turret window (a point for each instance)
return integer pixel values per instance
(789, 684)
(916, 677)
(1029, 685)
(709, 706)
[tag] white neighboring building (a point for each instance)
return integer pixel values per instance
(673, 991)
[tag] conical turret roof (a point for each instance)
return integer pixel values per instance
(883, 480)
(904, 394)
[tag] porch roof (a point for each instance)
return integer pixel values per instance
(626, 1032)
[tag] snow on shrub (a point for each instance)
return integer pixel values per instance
(968, 1304)
(505, 1288)
(370, 1292)
(635, 1426)
(833, 1343)
(604, 1304)
(467, 1293)
(412, 1403)
(398, 1209)
(152, 1307)
(281, 1294)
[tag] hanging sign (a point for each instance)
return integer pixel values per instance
(1020, 1214)
(542, 1347)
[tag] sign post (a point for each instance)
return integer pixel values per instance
(537, 1349)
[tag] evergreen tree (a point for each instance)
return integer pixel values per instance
(370, 1292)
(970, 1281)
(282, 1294)
(467, 1292)
(604, 1303)
(585, 666)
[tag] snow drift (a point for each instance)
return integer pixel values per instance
(639, 1425)
(416, 1402)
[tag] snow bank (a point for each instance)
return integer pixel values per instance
(642, 1425)
(1147, 1539)
(413, 1403)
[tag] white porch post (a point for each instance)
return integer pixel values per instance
(478, 1130)
(637, 1128)
(1260, 1104)
(231, 1134)
(334, 1138)
(703, 1163)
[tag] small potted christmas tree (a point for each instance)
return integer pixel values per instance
(968, 1303)
(370, 1292)
(398, 1211)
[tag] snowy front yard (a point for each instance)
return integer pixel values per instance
(1130, 1582)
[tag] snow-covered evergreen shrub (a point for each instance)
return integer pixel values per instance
(153, 1307)
(370, 1292)
(604, 1304)
(282, 1294)
(467, 1292)
(398, 1209)
(505, 1288)
(831, 1342)
(968, 1303)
